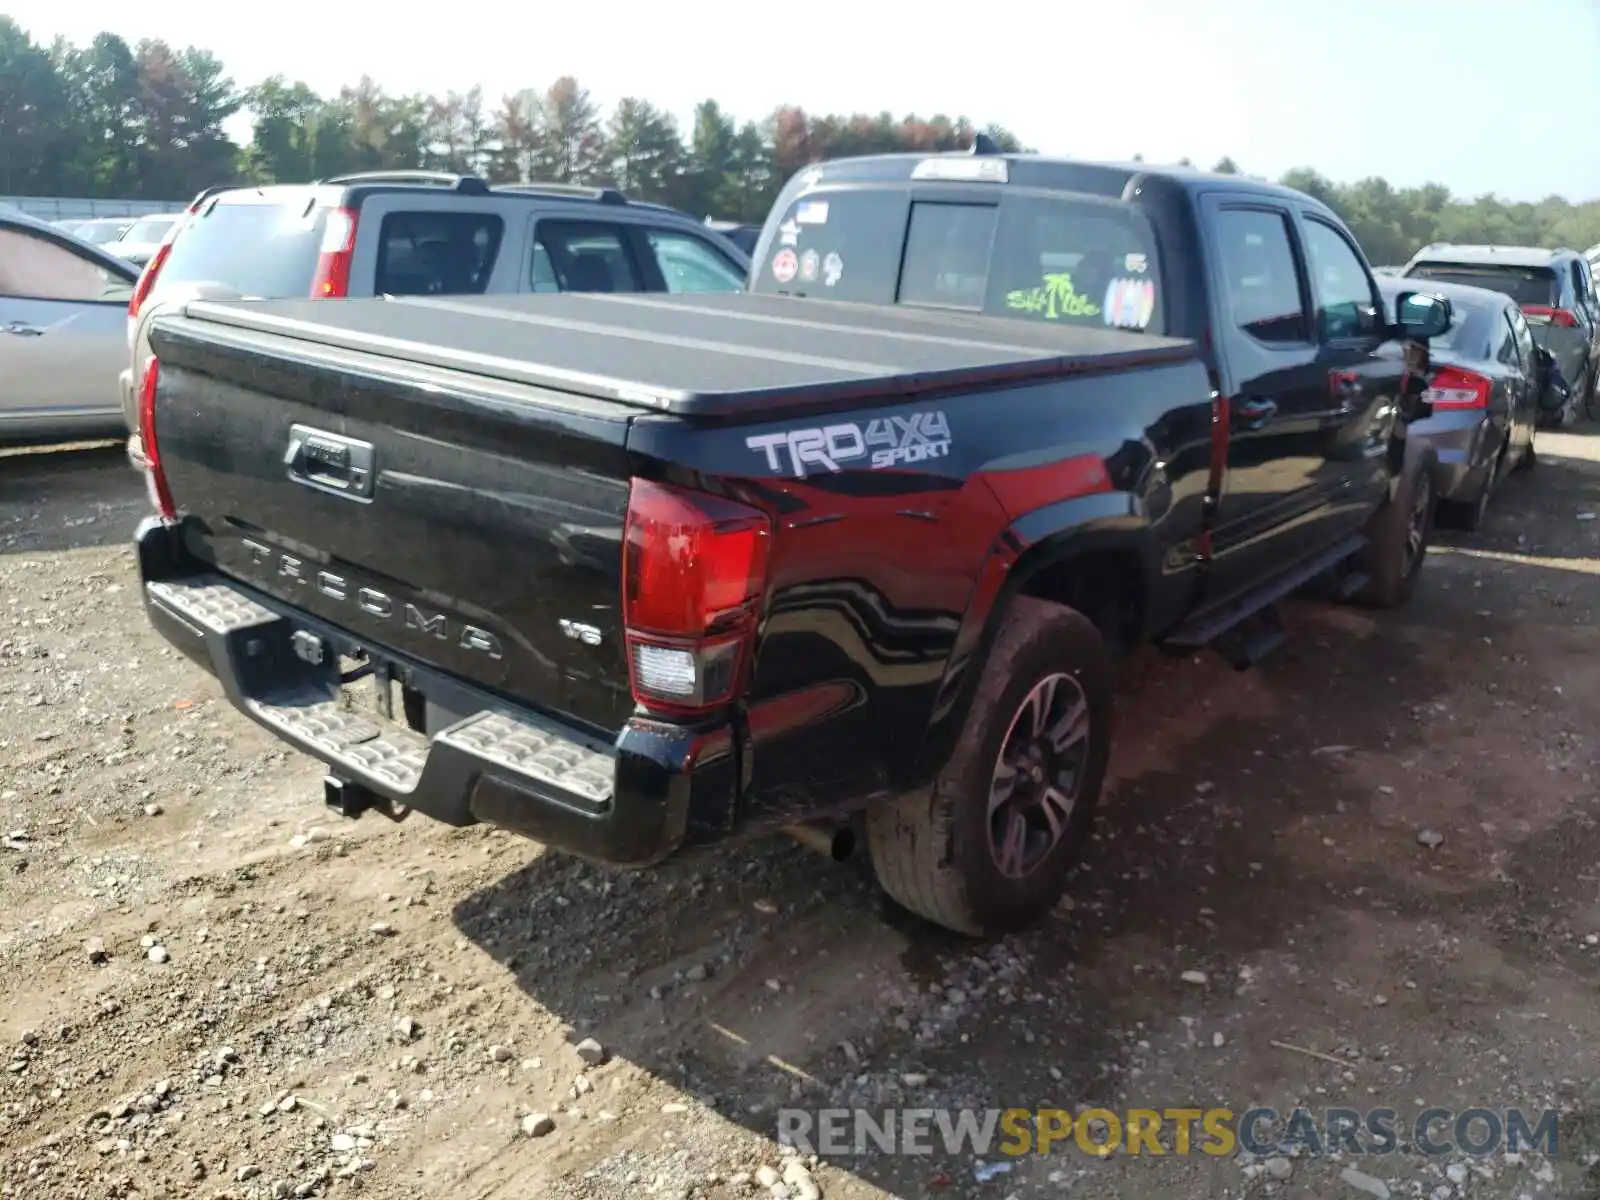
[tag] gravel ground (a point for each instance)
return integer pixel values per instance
(1362, 874)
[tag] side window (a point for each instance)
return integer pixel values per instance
(1345, 306)
(1261, 284)
(690, 264)
(35, 268)
(437, 253)
(1584, 282)
(1519, 326)
(1506, 335)
(581, 256)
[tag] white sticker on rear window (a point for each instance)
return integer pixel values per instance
(812, 212)
(1130, 303)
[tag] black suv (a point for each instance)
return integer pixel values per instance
(427, 233)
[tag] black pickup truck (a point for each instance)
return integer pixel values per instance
(855, 549)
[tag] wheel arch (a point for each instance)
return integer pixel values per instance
(1097, 554)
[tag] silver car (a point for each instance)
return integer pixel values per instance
(63, 333)
(139, 243)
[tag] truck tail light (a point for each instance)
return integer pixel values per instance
(332, 280)
(1540, 314)
(694, 578)
(144, 452)
(1453, 388)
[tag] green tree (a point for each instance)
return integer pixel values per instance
(35, 114)
(571, 143)
(644, 154)
(106, 110)
(286, 132)
(184, 98)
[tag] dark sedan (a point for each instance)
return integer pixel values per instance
(1489, 382)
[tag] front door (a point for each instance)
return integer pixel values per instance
(1363, 376)
(63, 337)
(1275, 498)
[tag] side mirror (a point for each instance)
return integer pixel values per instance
(1554, 391)
(1420, 316)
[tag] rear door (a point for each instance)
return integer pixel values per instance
(412, 242)
(1279, 483)
(63, 330)
(582, 255)
(1588, 307)
(1514, 351)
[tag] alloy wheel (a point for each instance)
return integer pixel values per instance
(1036, 780)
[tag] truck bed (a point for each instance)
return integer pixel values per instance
(708, 355)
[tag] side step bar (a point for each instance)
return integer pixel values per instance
(1212, 626)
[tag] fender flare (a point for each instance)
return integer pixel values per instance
(1035, 541)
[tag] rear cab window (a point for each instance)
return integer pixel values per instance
(1055, 257)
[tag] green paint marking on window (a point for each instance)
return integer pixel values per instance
(1055, 298)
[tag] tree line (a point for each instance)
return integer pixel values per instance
(147, 121)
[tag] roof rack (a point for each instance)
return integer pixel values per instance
(205, 194)
(605, 195)
(450, 179)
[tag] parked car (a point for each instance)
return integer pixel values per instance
(140, 241)
(1556, 291)
(409, 233)
(102, 231)
(631, 573)
(62, 309)
(743, 236)
(1488, 386)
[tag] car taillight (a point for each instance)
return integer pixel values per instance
(147, 277)
(147, 280)
(149, 454)
(1453, 388)
(694, 577)
(1543, 314)
(332, 280)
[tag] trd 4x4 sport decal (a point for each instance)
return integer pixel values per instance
(885, 442)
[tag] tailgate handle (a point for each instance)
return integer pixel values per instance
(330, 462)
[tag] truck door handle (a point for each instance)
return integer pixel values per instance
(18, 329)
(1256, 411)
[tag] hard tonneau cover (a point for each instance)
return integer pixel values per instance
(709, 355)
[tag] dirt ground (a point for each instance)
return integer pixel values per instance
(1361, 875)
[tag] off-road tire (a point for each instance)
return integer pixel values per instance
(1389, 559)
(931, 850)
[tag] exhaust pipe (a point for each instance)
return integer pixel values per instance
(837, 843)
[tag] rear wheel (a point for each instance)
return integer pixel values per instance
(986, 849)
(1398, 535)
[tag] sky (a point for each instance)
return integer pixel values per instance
(1480, 95)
